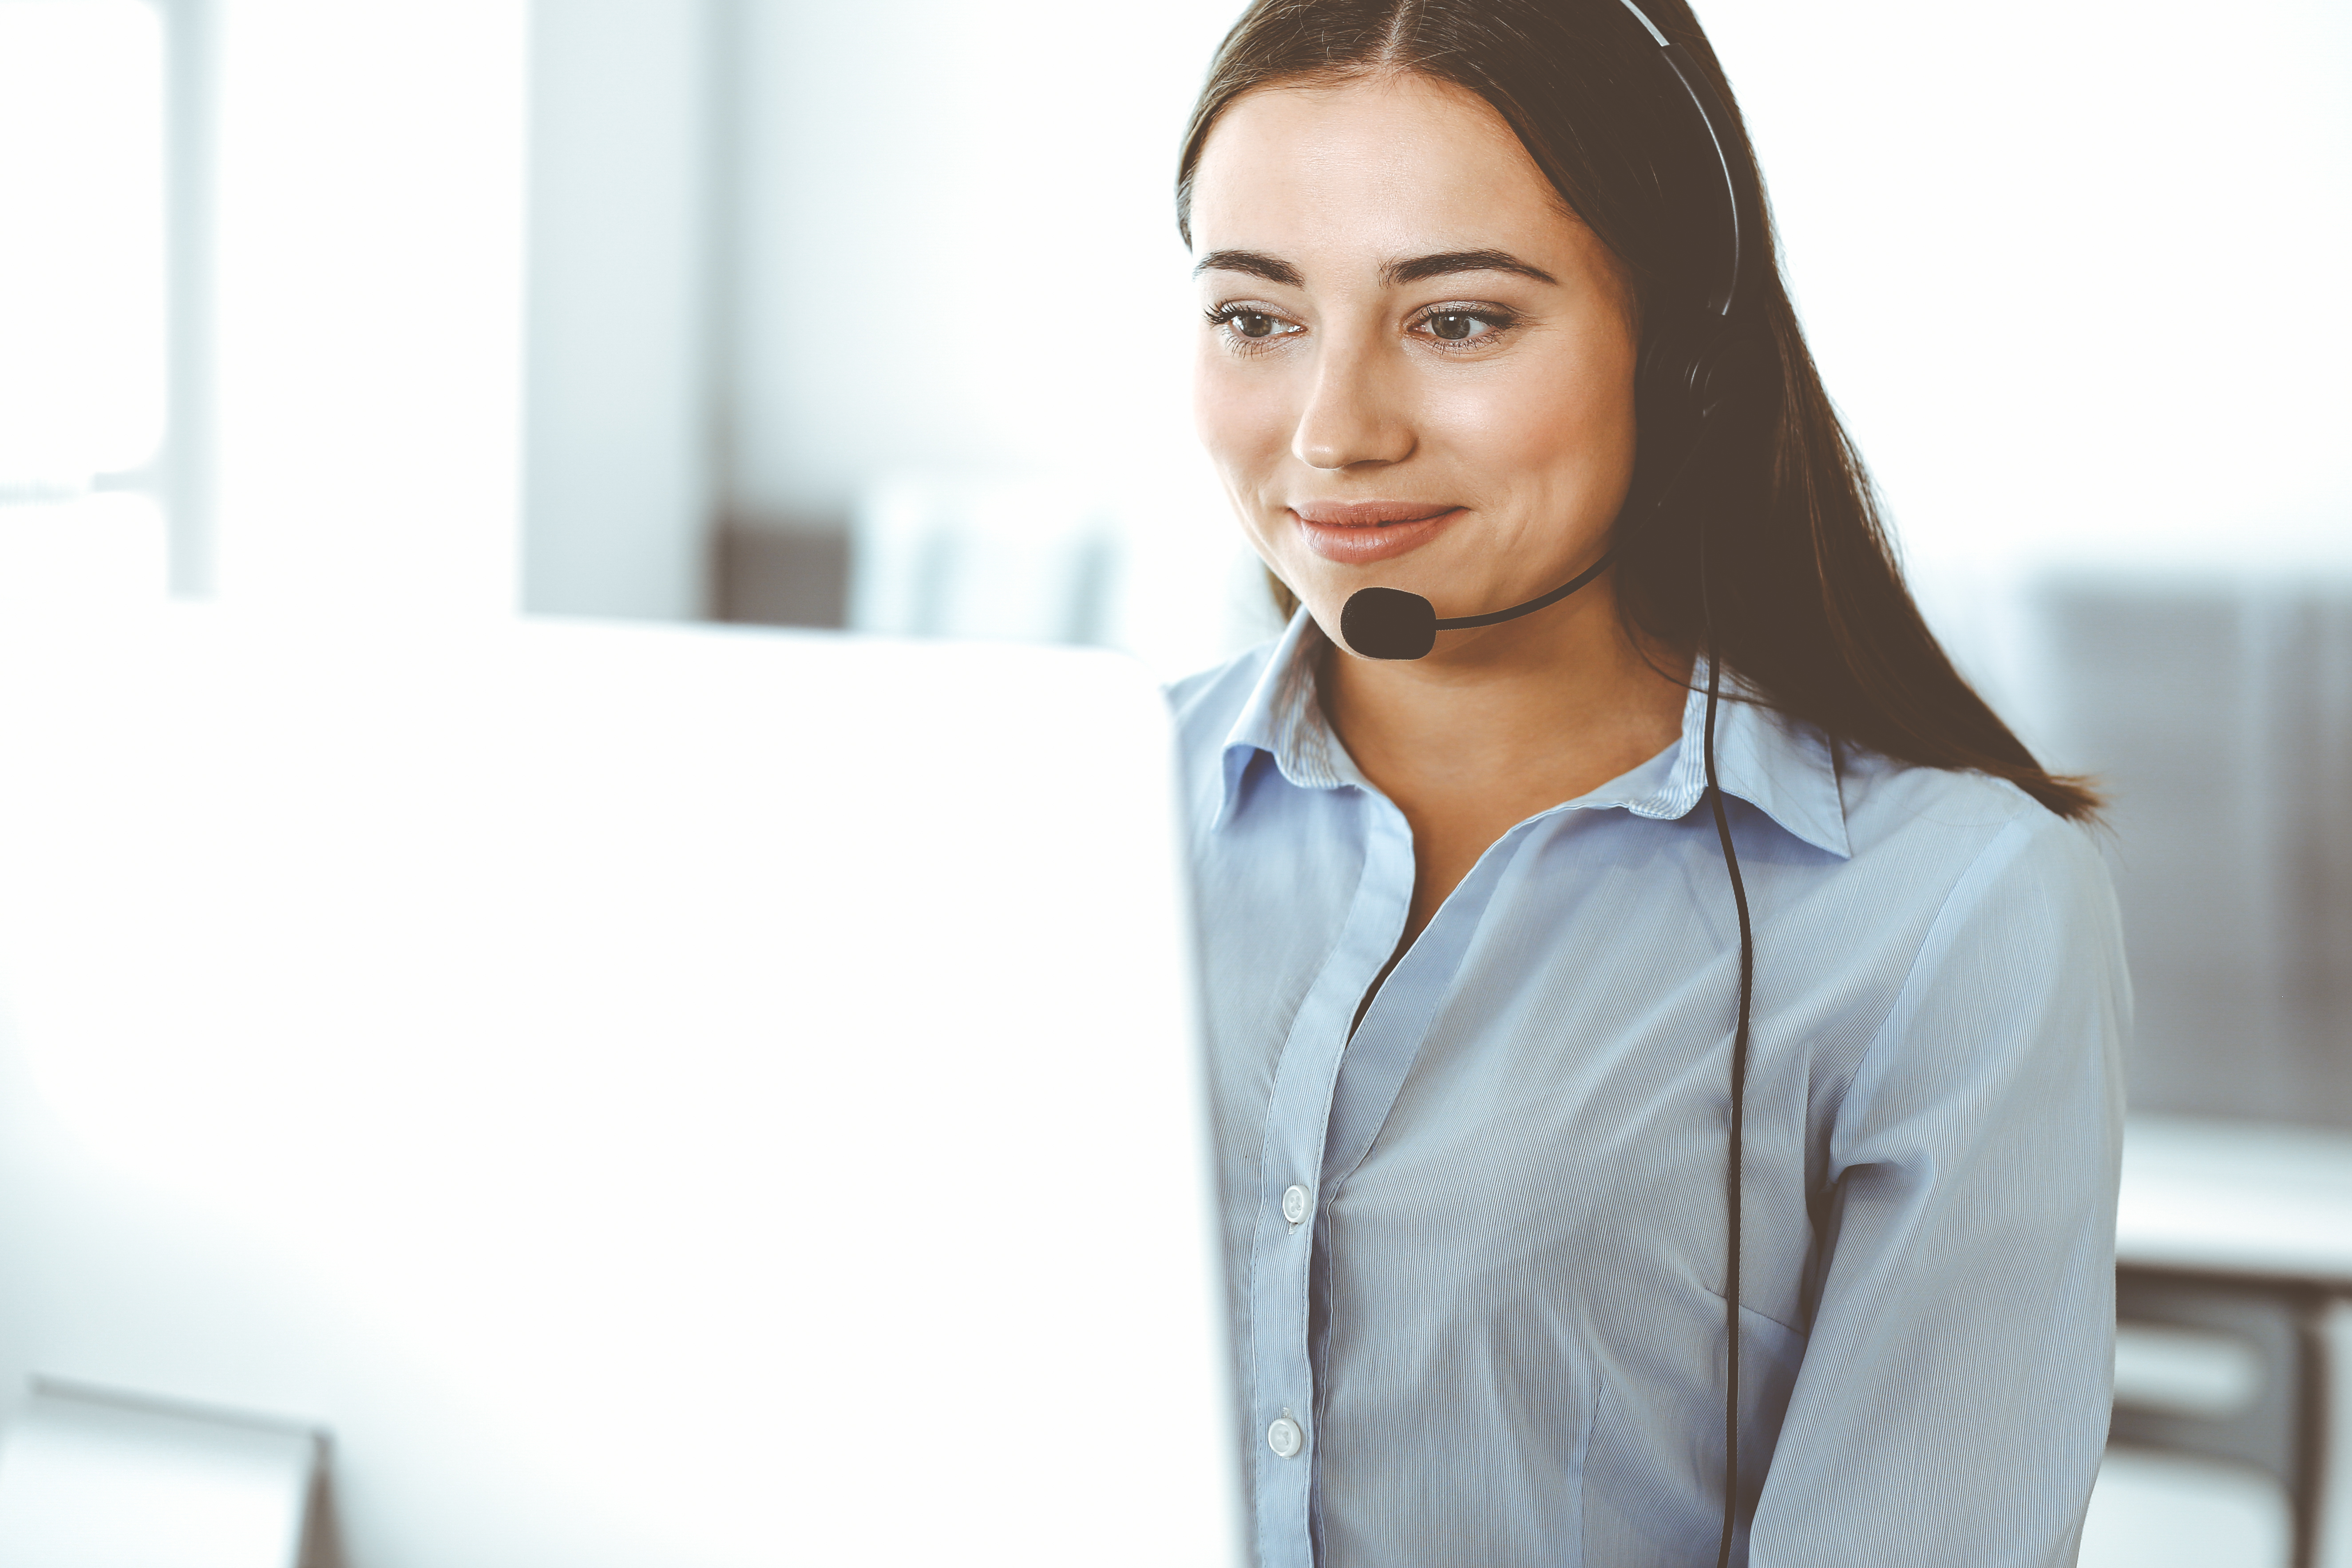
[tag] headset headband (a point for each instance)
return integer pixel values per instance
(1712, 115)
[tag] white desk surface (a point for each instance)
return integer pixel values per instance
(2259, 1199)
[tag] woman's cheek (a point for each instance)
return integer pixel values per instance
(1559, 424)
(1244, 422)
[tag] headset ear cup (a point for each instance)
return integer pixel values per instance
(1733, 372)
(1695, 366)
(1706, 399)
(1674, 363)
(1666, 410)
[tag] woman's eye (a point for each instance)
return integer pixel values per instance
(1459, 326)
(1255, 325)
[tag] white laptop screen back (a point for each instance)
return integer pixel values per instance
(658, 1099)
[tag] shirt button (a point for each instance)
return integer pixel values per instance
(1293, 1205)
(1284, 1436)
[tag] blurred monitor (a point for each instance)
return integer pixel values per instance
(650, 1097)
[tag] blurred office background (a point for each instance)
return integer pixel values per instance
(874, 316)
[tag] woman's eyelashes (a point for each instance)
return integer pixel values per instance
(1463, 326)
(1248, 327)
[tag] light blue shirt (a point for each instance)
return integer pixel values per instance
(1493, 1313)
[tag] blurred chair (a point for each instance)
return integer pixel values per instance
(2233, 1306)
(2237, 1371)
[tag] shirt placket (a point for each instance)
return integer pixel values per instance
(1281, 1375)
(1382, 1050)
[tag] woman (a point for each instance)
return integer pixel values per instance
(1486, 312)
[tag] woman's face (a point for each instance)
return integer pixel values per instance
(1416, 367)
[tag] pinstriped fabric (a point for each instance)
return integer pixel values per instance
(1496, 1322)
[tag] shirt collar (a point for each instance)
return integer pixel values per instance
(1785, 769)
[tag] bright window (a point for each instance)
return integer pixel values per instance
(83, 352)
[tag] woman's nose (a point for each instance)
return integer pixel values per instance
(1353, 414)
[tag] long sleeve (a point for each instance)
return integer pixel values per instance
(1952, 1403)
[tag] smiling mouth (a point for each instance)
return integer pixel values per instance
(1368, 513)
(1354, 534)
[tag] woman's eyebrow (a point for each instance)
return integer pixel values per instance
(1445, 262)
(1273, 268)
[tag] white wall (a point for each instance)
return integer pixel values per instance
(958, 263)
(370, 300)
(960, 245)
(617, 488)
(83, 329)
(379, 168)
(2074, 272)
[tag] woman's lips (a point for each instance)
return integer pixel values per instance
(1354, 533)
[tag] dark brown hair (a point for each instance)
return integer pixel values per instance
(1807, 599)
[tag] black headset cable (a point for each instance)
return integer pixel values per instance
(1739, 1076)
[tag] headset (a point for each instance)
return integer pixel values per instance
(1697, 364)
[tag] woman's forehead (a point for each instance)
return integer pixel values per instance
(1374, 168)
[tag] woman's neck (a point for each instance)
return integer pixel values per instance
(1486, 734)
